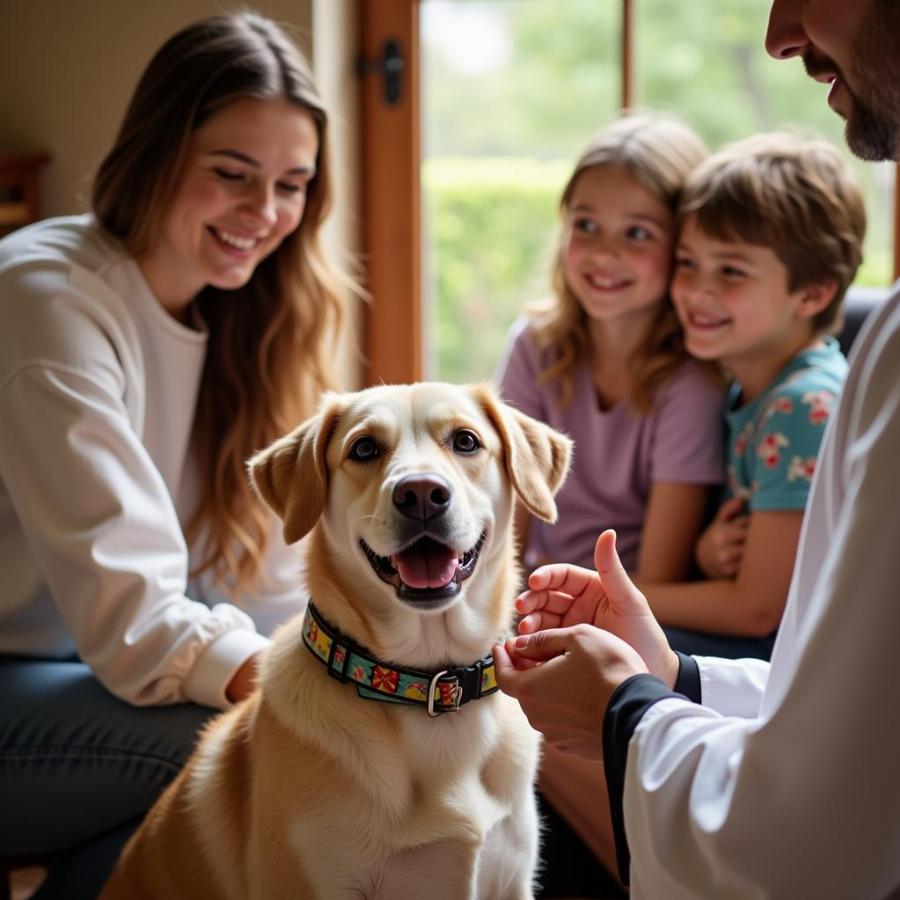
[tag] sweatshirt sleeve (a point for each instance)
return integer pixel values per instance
(102, 526)
(280, 593)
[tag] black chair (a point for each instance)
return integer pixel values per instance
(8, 864)
(858, 303)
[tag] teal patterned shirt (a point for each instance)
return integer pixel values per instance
(773, 442)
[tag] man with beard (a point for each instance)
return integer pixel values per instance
(759, 780)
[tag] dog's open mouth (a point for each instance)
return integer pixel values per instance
(427, 571)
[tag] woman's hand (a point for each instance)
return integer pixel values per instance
(561, 595)
(720, 549)
(244, 681)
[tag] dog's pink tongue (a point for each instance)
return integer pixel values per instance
(426, 565)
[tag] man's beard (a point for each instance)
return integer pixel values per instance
(872, 131)
(871, 136)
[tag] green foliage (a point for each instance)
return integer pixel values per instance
(492, 225)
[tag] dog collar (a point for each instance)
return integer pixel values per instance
(439, 692)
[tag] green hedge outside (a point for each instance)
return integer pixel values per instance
(490, 226)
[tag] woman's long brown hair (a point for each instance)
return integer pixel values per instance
(270, 342)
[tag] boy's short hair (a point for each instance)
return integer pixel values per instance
(798, 196)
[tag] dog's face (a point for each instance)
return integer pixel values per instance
(412, 488)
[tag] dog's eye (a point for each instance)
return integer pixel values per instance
(364, 449)
(465, 441)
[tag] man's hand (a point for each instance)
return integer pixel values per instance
(562, 595)
(720, 549)
(563, 679)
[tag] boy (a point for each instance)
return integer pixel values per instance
(771, 236)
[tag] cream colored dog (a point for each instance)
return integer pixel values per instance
(378, 759)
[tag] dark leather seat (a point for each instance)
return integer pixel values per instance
(858, 303)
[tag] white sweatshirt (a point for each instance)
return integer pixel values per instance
(785, 783)
(98, 386)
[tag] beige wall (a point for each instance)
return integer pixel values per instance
(68, 68)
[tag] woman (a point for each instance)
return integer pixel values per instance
(146, 351)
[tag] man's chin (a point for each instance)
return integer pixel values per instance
(871, 137)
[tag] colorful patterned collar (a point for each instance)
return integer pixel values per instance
(439, 692)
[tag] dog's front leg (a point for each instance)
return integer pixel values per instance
(277, 873)
(443, 870)
(508, 860)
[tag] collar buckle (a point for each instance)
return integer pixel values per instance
(455, 695)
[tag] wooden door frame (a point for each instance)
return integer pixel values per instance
(390, 162)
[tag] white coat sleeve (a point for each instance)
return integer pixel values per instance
(802, 800)
(103, 528)
(733, 687)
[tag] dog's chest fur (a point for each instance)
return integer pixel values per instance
(396, 780)
(396, 755)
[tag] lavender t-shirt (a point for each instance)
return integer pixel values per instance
(619, 453)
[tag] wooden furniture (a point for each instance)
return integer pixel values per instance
(19, 193)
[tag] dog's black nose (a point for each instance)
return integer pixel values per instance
(423, 496)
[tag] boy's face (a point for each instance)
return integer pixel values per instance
(733, 300)
(852, 45)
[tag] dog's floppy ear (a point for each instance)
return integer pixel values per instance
(291, 475)
(536, 456)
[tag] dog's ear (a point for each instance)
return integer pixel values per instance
(291, 475)
(536, 456)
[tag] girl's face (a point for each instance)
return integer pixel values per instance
(241, 191)
(617, 245)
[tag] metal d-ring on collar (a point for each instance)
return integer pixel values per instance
(456, 693)
(438, 692)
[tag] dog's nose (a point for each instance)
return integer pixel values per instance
(423, 496)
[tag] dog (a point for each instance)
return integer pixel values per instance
(377, 759)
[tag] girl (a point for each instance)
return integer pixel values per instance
(604, 361)
(146, 350)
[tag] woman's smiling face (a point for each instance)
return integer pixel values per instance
(241, 191)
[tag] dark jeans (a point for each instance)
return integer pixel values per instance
(79, 768)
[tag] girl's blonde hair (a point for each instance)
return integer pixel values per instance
(658, 152)
(268, 355)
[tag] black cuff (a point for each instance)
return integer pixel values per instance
(630, 700)
(688, 681)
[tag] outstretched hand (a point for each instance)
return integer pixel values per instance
(561, 595)
(563, 679)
